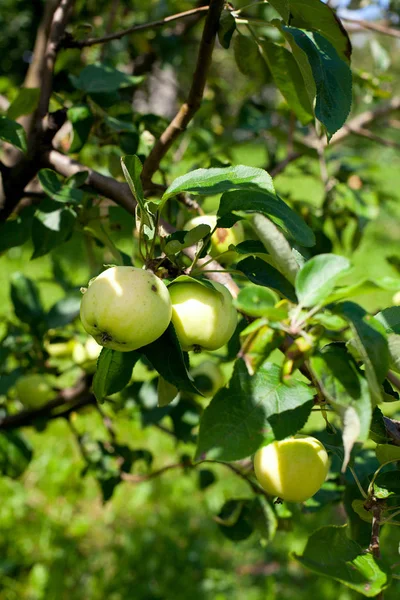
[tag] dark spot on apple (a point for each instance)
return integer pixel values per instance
(154, 287)
(197, 349)
(105, 337)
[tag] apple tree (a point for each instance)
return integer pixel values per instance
(222, 222)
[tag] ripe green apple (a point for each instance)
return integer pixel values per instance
(126, 308)
(208, 378)
(34, 391)
(222, 238)
(293, 469)
(203, 317)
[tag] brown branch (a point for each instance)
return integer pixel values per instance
(373, 26)
(59, 22)
(365, 133)
(355, 125)
(71, 43)
(120, 193)
(191, 106)
(77, 394)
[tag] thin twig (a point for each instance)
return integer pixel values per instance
(373, 26)
(191, 106)
(71, 43)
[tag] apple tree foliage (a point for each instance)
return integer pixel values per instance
(85, 165)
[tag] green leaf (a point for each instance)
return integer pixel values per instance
(261, 273)
(394, 352)
(371, 343)
(167, 358)
(276, 245)
(282, 7)
(390, 319)
(330, 553)
(64, 311)
(82, 119)
(347, 391)
(248, 58)
(13, 133)
(288, 79)
(302, 60)
(318, 16)
(26, 300)
(251, 410)
(51, 229)
(53, 187)
(258, 340)
(386, 452)
(270, 205)
(24, 104)
(250, 247)
(226, 28)
(15, 232)
(98, 78)
(332, 78)
(114, 370)
(166, 392)
(15, 454)
(217, 180)
(258, 301)
(317, 279)
(132, 169)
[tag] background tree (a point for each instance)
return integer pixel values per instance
(120, 125)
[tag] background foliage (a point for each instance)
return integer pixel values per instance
(73, 523)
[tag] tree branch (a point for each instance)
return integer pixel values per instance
(77, 394)
(120, 193)
(354, 126)
(60, 20)
(71, 43)
(373, 26)
(191, 106)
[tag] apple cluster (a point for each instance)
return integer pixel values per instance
(126, 308)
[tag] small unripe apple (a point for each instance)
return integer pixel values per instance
(208, 378)
(34, 391)
(203, 317)
(126, 308)
(86, 354)
(222, 238)
(293, 469)
(60, 349)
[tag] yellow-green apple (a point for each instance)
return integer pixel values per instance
(293, 469)
(203, 316)
(126, 308)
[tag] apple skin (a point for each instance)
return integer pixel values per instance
(34, 391)
(203, 318)
(222, 238)
(126, 308)
(293, 469)
(208, 378)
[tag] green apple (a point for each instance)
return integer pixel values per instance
(60, 349)
(86, 354)
(222, 238)
(126, 308)
(208, 378)
(204, 317)
(34, 391)
(292, 469)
